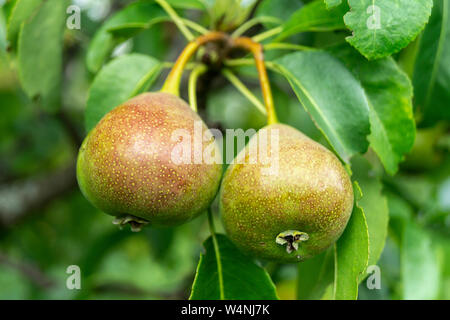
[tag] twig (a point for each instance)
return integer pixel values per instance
(176, 19)
(252, 22)
(195, 26)
(172, 83)
(287, 46)
(193, 78)
(20, 198)
(267, 34)
(257, 50)
(244, 90)
(28, 270)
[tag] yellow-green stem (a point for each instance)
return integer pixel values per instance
(244, 90)
(176, 19)
(193, 77)
(195, 26)
(252, 22)
(267, 34)
(248, 62)
(257, 50)
(287, 46)
(172, 83)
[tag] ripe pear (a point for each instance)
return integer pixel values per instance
(132, 165)
(290, 206)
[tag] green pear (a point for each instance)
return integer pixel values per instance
(289, 205)
(136, 165)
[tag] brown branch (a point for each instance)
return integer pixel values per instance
(29, 270)
(18, 199)
(117, 287)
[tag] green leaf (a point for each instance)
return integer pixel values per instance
(383, 27)
(389, 93)
(141, 13)
(351, 256)
(188, 4)
(128, 30)
(40, 53)
(432, 68)
(332, 96)
(400, 212)
(228, 14)
(443, 244)
(21, 11)
(223, 272)
(121, 79)
(281, 9)
(418, 190)
(3, 43)
(315, 275)
(375, 207)
(314, 16)
(419, 265)
(332, 3)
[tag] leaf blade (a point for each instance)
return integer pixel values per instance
(121, 79)
(332, 96)
(431, 76)
(384, 27)
(332, 3)
(375, 207)
(351, 256)
(314, 16)
(242, 278)
(101, 46)
(41, 39)
(419, 266)
(315, 275)
(21, 11)
(389, 93)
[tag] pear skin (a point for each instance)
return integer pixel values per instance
(127, 165)
(292, 212)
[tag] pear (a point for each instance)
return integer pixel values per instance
(290, 204)
(142, 165)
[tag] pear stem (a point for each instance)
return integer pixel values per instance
(244, 90)
(176, 19)
(287, 46)
(267, 34)
(193, 77)
(195, 26)
(252, 22)
(257, 50)
(212, 228)
(172, 83)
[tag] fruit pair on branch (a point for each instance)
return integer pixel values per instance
(127, 168)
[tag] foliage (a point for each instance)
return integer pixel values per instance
(377, 97)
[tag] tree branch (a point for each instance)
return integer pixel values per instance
(18, 199)
(29, 270)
